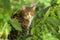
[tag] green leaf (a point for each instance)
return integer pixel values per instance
(15, 24)
(46, 2)
(28, 38)
(58, 1)
(53, 21)
(5, 4)
(49, 36)
(8, 27)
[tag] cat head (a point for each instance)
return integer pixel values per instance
(28, 12)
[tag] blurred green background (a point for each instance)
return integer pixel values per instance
(45, 25)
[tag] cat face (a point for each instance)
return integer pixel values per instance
(28, 12)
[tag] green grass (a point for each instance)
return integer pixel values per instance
(45, 25)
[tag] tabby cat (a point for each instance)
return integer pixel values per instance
(25, 17)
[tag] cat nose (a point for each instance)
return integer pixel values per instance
(29, 16)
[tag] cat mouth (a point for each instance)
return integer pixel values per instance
(27, 17)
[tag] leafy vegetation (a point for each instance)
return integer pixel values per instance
(45, 25)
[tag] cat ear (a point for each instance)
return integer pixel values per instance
(23, 7)
(33, 8)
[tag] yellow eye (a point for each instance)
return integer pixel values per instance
(32, 13)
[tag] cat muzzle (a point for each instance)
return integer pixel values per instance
(29, 16)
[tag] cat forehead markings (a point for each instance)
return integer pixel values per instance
(29, 13)
(24, 8)
(28, 9)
